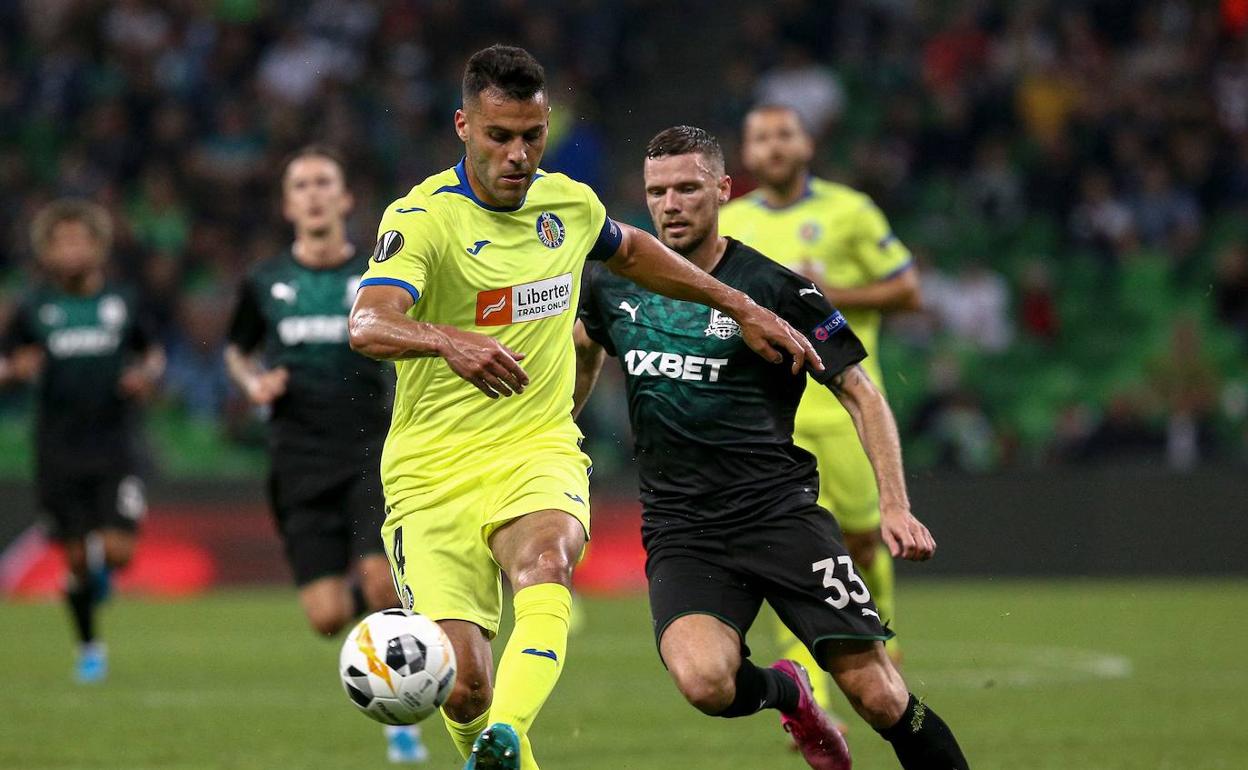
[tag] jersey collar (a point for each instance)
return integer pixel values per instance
(465, 189)
(806, 193)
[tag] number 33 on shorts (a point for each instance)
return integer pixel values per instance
(841, 595)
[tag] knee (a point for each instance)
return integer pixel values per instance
(118, 553)
(880, 701)
(551, 564)
(708, 689)
(862, 548)
(327, 621)
(378, 590)
(469, 698)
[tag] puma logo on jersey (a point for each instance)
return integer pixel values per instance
(867, 611)
(812, 290)
(643, 363)
(285, 292)
(475, 248)
(632, 311)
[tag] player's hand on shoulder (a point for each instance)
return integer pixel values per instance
(485, 362)
(263, 388)
(906, 536)
(768, 335)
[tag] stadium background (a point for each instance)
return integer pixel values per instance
(1071, 176)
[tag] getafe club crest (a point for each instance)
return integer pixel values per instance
(721, 326)
(550, 230)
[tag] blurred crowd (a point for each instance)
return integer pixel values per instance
(1073, 176)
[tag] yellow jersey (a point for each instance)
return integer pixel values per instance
(512, 274)
(842, 236)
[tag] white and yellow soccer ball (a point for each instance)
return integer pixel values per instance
(397, 666)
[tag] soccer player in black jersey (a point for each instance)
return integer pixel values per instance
(79, 335)
(330, 407)
(730, 512)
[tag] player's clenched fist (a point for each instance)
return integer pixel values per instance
(906, 536)
(485, 362)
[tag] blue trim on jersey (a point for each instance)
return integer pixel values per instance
(806, 193)
(609, 240)
(465, 189)
(909, 264)
(392, 282)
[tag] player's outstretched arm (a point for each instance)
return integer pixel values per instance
(644, 260)
(589, 358)
(379, 328)
(904, 535)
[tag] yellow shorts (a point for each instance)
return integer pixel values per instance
(846, 481)
(438, 539)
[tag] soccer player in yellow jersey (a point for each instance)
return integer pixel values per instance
(838, 238)
(473, 289)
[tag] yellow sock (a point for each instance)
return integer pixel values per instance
(881, 584)
(534, 656)
(527, 762)
(793, 649)
(464, 733)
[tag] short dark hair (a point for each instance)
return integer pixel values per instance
(682, 140)
(511, 70)
(315, 150)
(780, 107)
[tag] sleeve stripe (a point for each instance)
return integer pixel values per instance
(909, 263)
(609, 240)
(392, 282)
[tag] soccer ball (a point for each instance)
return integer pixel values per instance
(397, 666)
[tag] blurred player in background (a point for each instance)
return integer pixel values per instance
(80, 336)
(330, 407)
(730, 514)
(839, 239)
(474, 272)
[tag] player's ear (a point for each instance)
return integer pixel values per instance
(461, 125)
(348, 202)
(808, 147)
(725, 189)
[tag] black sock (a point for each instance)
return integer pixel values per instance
(761, 688)
(82, 609)
(359, 605)
(923, 741)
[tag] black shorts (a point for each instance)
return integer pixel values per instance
(77, 504)
(326, 522)
(794, 560)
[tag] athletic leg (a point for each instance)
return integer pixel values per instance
(876, 690)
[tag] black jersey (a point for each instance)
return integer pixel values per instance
(84, 424)
(336, 408)
(713, 421)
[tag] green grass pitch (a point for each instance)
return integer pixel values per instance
(1075, 675)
